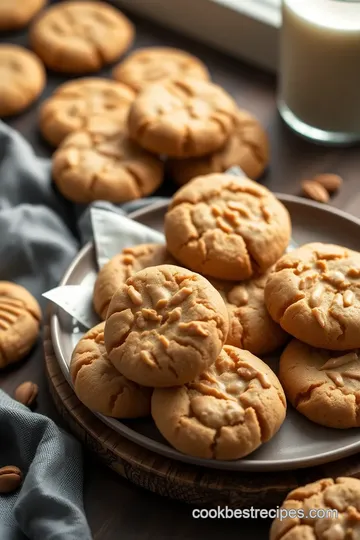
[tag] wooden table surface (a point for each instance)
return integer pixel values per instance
(114, 507)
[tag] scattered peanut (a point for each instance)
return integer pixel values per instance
(27, 393)
(331, 182)
(10, 479)
(314, 190)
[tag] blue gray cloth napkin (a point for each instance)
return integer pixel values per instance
(40, 235)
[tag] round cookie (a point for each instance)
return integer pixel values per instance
(337, 503)
(314, 293)
(158, 65)
(22, 79)
(98, 105)
(182, 118)
(81, 37)
(322, 385)
(87, 168)
(226, 227)
(226, 412)
(124, 265)
(251, 327)
(99, 386)
(247, 147)
(164, 326)
(20, 317)
(16, 14)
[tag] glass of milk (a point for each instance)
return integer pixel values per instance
(319, 77)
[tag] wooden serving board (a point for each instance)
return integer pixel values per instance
(187, 483)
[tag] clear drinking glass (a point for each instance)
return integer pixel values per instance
(319, 76)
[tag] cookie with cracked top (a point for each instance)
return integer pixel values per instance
(337, 511)
(322, 385)
(88, 167)
(99, 385)
(164, 326)
(80, 37)
(247, 148)
(99, 106)
(182, 118)
(226, 227)
(157, 65)
(314, 293)
(124, 265)
(250, 325)
(227, 412)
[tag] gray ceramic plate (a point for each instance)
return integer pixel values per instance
(299, 443)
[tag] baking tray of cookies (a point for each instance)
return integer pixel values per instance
(299, 442)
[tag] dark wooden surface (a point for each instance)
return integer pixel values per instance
(115, 508)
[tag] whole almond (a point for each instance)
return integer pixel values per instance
(10, 479)
(27, 393)
(314, 190)
(331, 182)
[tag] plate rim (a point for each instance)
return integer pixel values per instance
(243, 464)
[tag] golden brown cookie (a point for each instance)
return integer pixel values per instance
(87, 167)
(22, 79)
(99, 386)
(226, 412)
(327, 510)
(247, 147)
(251, 326)
(20, 317)
(314, 293)
(226, 227)
(16, 14)
(81, 37)
(158, 65)
(164, 326)
(182, 118)
(323, 385)
(124, 265)
(99, 106)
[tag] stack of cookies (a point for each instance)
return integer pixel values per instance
(116, 136)
(314, 293)
(184, 325)
(188, 319)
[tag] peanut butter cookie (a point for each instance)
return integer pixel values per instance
(20, 317)
(158, 65)
(16, 14)
(314, 293)
(22, 79)
(322, 385)
(251, 326)
(336, 505)
(226, 227)
(87, 167)
(226, 412)
(247, 147)
(81, 37)
(124, 265)
(164, 326)
(182, 118)
(99, 106)
(99, 385)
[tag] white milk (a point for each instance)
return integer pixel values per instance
(319, 79)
